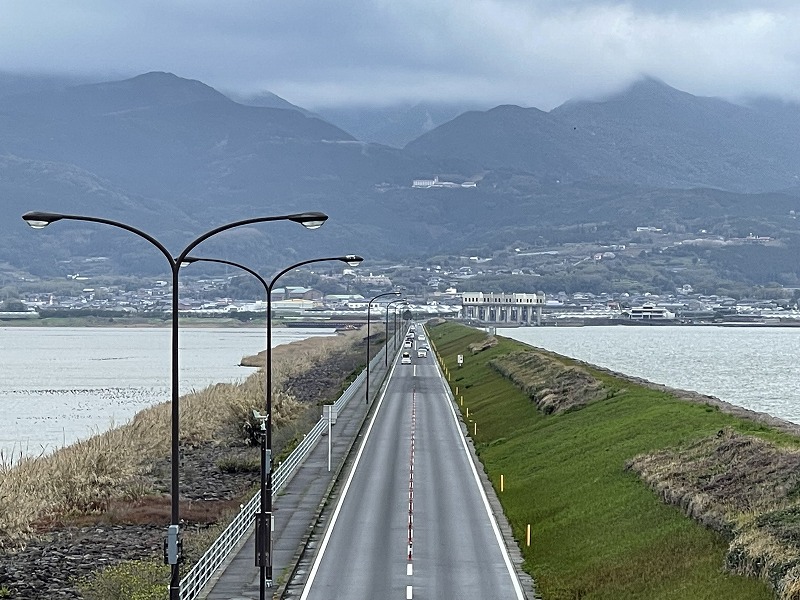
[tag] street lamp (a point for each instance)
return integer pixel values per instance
(386, 341)
(396, 308)
(264, 518)
(309, 220)
(369, 307)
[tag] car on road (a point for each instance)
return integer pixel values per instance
(407, 344)
(405, 359)
(422, 352)
(420, 338)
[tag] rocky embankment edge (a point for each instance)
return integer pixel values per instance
(215, 477)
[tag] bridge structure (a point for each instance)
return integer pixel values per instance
(502, 308)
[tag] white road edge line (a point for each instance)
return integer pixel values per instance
(312, 575)
(498, 536)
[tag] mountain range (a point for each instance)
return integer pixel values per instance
(176, 157)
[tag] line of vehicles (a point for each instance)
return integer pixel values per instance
(411, 339)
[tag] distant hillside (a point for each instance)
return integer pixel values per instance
(175, 157)
(268, 100)
(394, 125)
(171, 151)
(158, 134)
(650, 134)
(20, 83)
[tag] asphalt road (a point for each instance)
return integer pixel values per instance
(412, 520)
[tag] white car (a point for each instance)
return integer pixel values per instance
(405, 359)
(407, 344)
(420, 338)
(422, 352)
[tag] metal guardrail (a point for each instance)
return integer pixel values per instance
(204, 569)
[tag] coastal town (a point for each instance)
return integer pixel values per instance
(427, 291)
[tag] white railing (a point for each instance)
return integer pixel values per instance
(199, 575)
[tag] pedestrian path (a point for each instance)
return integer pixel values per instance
(296, 507)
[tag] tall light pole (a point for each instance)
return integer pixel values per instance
(397, 339)
(264, 518)
(39, 220)
(369, 308)
(386, 341)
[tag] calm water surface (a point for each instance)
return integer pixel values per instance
(62, 384)
(753, 367)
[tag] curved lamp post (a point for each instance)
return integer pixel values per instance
(264, 518)
(39, 220)
(396, 308)
(369, 307)
(386, 341)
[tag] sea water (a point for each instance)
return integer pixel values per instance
(61, 384)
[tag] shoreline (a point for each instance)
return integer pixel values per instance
(93, 377)
(570, 435)
(234, 323)
(594, 322)
(218, 471)
(110, 322)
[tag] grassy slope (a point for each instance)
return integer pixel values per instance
(597, 531)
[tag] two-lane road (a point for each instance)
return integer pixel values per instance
(412, 520)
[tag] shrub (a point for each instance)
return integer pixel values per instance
(131, 580)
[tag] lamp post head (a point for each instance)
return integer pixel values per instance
(352, 260)
(40, 220)
(310, 220)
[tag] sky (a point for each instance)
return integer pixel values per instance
(328, 53)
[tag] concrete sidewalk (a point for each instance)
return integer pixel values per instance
(297, 506)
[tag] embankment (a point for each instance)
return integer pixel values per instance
(104, 502)
(630, 490)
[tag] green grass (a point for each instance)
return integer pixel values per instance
(131, 580)
(598, 532)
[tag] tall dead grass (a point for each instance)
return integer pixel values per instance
(554, 387)
(85, 476)
(744, 487)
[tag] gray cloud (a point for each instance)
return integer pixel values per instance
(317, 53)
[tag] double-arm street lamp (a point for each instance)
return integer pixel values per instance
(39, 220)
(396, 308)
(394, 332)
(369, 308)
(264, 518)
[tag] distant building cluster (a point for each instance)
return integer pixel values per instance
(435, 183)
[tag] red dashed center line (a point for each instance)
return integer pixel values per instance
(409, 568)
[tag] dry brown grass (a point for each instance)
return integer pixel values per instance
(489, 342)
(746, 488)
(90, 474)
(553, 386)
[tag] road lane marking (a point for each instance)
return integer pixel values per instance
(315, 567)
(410, 546)
(498, 536)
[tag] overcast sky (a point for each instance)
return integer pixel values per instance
(321, 53)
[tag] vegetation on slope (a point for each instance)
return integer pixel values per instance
(598, 532)
(120, 477)
(744, 487)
